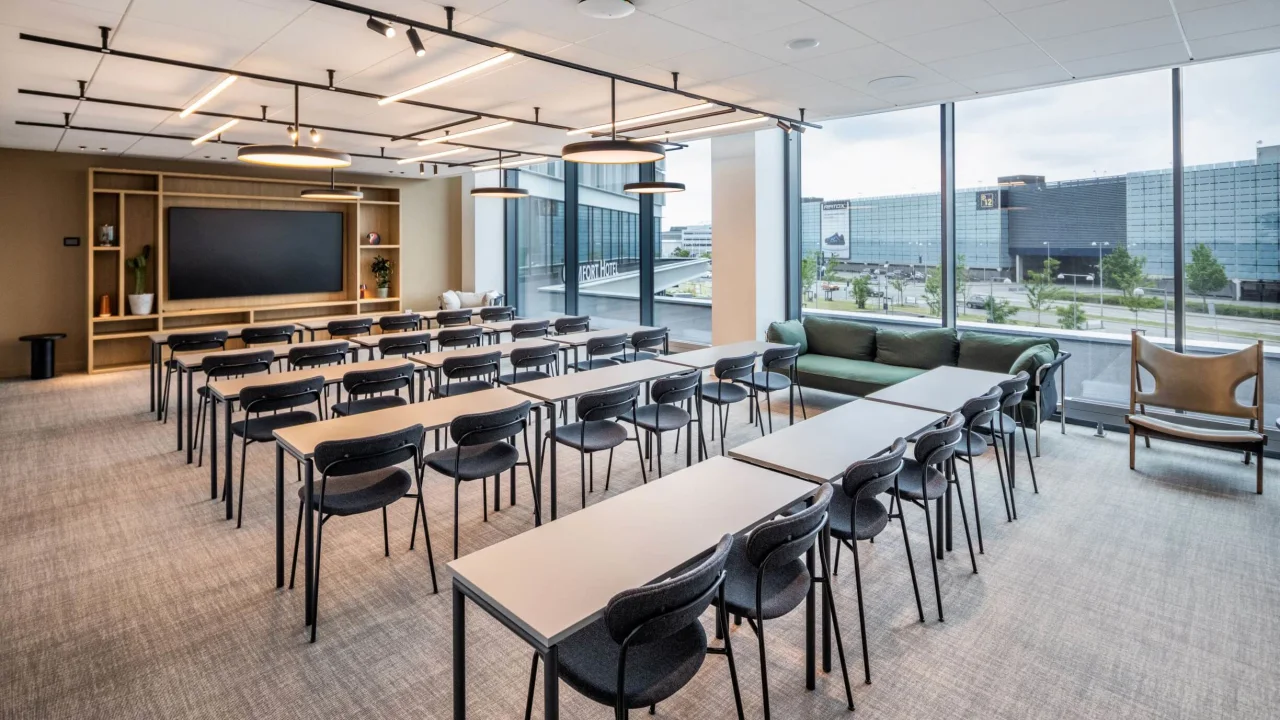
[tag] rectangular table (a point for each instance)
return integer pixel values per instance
(553, 390)
(706, 358)
(580, 339)
(301, 442)
(944, 389)
(312, 325)
(549, 582)
(433, 361)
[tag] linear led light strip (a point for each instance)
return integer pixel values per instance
(642, 118)
(226, 82)
(504, 165)
(424, 158)
(709, 128)
(467, 133)
(214, 132)
(448, 78)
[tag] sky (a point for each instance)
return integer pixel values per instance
(1101, 127)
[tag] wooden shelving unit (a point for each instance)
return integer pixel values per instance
(135, 203)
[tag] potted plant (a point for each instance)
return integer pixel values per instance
(140, 301)
(381, 269)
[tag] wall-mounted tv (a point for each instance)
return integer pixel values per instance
(224, 252)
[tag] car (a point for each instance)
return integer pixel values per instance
(978, 302)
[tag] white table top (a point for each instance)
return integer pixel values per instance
(571, 385)
(230, 388)
(196, 358)
(322, 323)
(436, 359)
(707, 357)
(371, 341)
(581, 338)
(820, 448)
(945, 389)
(555, 579)
(161, 338)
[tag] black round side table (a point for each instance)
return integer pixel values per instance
(42, 353)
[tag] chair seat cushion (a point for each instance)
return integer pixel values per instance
(870, 516)
(591, 435)
(1196, 434)
(649, 417)
(850, 377)
(784, 587)
(355, 494)
(461, 387)
(971, 444)
(594, 364)
(368, 404)
(520, 376)
(474, 461)
(911, 487)
(768, 381)
(261, 427)
(655, 671)
(723, 392)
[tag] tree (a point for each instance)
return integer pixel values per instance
(933, 290)
(861, 289)
(808, 272)
(1127, 273)
(681, 253)
(1041, 292)
(1205, 275)
(830, 272)
(705, 255)
(900, 287)
(1071, 317)
(962, 280)
(1000, 312)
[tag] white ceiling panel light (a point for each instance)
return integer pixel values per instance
(606, 9)
(511, 163)
(643, 118)
(433, 156)
(485, 65)
(214, 132)
(710, 128)
(226, 82)
(467, 133)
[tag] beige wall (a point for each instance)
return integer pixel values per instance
(42, 200)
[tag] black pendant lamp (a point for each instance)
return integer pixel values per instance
(653, 187)
(501, 191)
(331, 192)
(295, 155)
(613, 151)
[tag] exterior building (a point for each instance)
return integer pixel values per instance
(696, 239)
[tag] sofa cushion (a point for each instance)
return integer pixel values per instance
(849, 377)
(449, 300)
(998, 353)
(840, 338)
(1031, 359)
(924, 349)
(789, 332)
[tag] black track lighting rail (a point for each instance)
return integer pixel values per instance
(450, 32)
(435, 128)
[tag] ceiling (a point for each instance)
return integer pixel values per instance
(731, 50)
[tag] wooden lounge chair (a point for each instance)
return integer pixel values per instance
(1203, 384)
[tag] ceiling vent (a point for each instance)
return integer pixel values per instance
(606, 9)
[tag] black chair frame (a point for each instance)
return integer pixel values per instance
(228, 366)
(273, 402)
(602, 405)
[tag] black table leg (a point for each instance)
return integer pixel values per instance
(552, 444)
(825, 538)
(308, 523)
(179, 394)
(810, 664)
(537, 481)
(226, 485)
(551, 684)
(459, 653)
(213, 447)
(279, 515)
(151, 365)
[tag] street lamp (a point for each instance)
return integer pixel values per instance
(1139, 292)
(1074, 277)
(1101, 317)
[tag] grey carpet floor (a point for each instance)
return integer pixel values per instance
(1117, 594)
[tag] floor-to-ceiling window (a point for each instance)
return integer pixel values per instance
(682, 258)
(539, 241)
(608, 245)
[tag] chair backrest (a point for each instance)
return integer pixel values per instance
(281, 396)
(268, 334)
(779, 541)
(572, 324)
(348, 328)
(653, 339)
(487, 427)
(404, 344)
(607, 345)
(211, 340)
(448, 318)
(399, 323)
(529, 330)
(336, 458)
(320, 354)
(653, 612)
(1196, 383)
(470, 366)
(536, 356)
(675, 389)
(980, 411)
(237, 364)
(495, 313)
(870, 477)
(608, 404)
(459, 336)
(779, 358)
(735, 368)
(937, 445)
(1012, 390)
(373, 382)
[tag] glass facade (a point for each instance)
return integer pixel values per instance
(682, 268)
(540, 242)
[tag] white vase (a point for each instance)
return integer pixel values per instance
(384, 292)
(141, 304)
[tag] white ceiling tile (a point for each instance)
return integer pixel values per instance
(990, 33)
(832, 37)
(716, 63)
(509, 34)
(650, 39)
(855, 68)
(1262, 39)
(1019, 79)
(1107, 41)
(774, 81)
(835, 6)
(583, 55)
(250, 22)
(1072, 17)
(894, 19)
(916, 94)
(992, 62)
(1233, 18)
(552, 18)
(1015, 5)
(307, 47)
(1145, 59)
(1185, 6)
(734, 19)
(59, 19)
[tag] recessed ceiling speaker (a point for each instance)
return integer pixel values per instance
(606, 9)
(892, 82)
(803, 44)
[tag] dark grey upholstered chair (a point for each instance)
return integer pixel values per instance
(728, 388)
(597, 430)
(766, 576)
(407, 322)
(453, 318)
(268, 334)
(527, 364)
(473, 373)
(369, 390)
(188, 342)
(857, 514)
(777, 372)
(497, 313)
(929, 476)
(602, 352)
(459, 337)
(529, 329)
(980, 413)
(664, 413)
(1005, 429)
(350, 327)
(403, 344)
(283, 402)
(645, 345)
(571, 324)
(650, 642)
(359, 476)
(228, 366)
(318, 355)
(483, 449)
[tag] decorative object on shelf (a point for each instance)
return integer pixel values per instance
(107, 235)
(364, 291)
(104, 306)
(373, 238)
(140, 301)
(381, 269)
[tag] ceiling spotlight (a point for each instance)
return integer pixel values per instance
(293, 132)
(214, 132)
(331, 192)
(433, 156)
(653, 188)
(709, 128)
(496, 60)
(642, 118)
(208, 96)
(783, 126)
(418, 48)
(606, 9)
(380, 27)
(315, 135)
(467, 133)
(802, 44)
(613, 151)
(422, 168)
(82, 147)
(102, 149)
(510, 164)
